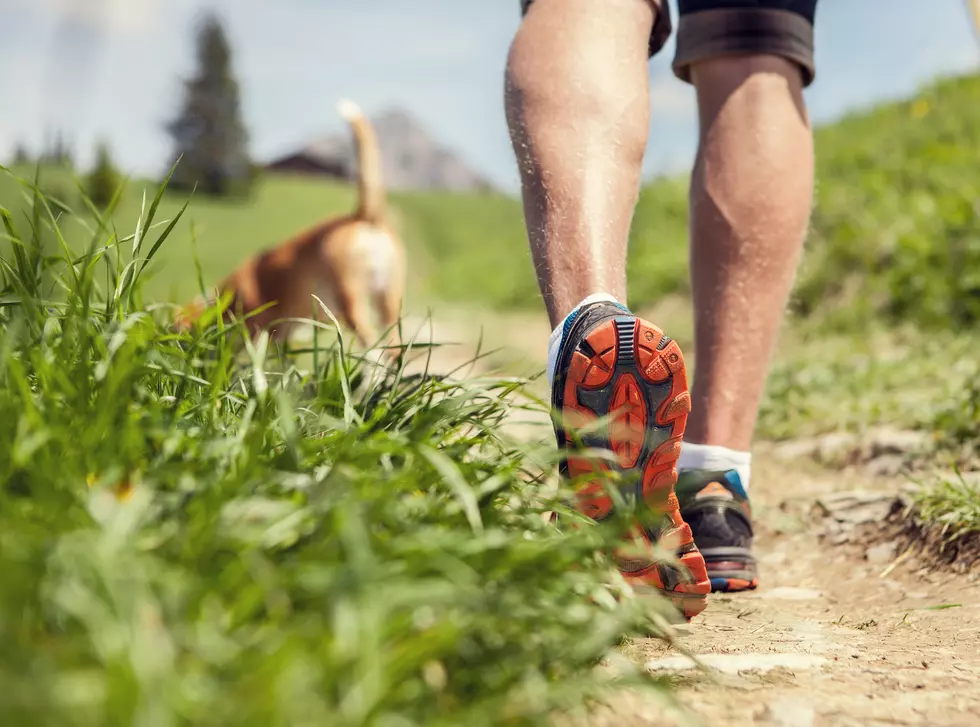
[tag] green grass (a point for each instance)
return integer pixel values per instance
(897, 378)
(951, 504)
(824, 382)
(958, 422)
(465, 248)
(193, 534)
(885, 307)
(950, 507)
(658, 252)
(896, 231)
(450, 238)
(226, 232)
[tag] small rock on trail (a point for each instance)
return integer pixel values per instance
(738, 663)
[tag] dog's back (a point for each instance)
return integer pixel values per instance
(354, 263)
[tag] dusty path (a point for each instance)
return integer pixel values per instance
(836, 634)
(828, 639)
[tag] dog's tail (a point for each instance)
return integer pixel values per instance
(370, 181)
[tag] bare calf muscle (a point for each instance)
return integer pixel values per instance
(751, 195)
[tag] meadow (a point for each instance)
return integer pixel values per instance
(191, 533)
(190, 536)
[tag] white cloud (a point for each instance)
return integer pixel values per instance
(114, 16)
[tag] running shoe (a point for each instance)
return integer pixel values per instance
(616, 365)
(716, 506)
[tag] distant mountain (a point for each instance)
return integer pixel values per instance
(412, 158)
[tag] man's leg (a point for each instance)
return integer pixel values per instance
(750, 205)
(751, 194)
(577, 105)
(577, 101)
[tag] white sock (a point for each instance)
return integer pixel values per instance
(712, 457)
(554, 340)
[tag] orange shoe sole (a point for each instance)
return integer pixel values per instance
(627, 369)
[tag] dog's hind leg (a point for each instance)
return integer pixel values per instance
(356, 315)
(388, 304)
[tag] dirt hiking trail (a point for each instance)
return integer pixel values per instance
(844, 633)
(844, 630)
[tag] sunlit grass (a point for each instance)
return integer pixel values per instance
(192, 532)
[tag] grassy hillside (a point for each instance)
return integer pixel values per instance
(469, 248)
(896, 231)
(225, 232)
(452, 239)
(190, 536)
(895, 234)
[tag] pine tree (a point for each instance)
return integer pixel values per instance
(105, 179)
(21, 155)
(57, 152)
(62, 152)
(209, 135)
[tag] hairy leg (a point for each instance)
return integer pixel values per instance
(577, 104)
(751, 194)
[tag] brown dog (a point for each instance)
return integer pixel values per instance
(355, 264)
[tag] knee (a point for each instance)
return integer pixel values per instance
(759, 73)
(760, 85)
(586, 58)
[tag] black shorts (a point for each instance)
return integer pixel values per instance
(713, 28)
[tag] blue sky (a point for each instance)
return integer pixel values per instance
(112, 68)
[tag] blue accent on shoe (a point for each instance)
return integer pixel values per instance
(567, 325)
(734, 482)
(719, 585)
(570, 320)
